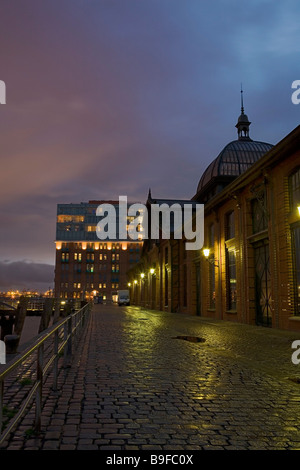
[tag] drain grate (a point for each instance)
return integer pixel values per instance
(192, 339)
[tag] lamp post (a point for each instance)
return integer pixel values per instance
(206, 252)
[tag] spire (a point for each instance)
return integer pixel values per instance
(243, 123)
(242, 100)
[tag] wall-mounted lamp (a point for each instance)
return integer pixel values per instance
(206, 252)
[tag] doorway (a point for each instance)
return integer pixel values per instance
(262, 284)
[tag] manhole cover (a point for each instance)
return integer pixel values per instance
(192, 339)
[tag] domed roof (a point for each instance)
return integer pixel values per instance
(233, 160)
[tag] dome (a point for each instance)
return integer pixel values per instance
(232, 161)
(235, 158)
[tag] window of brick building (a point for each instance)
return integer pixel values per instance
(230, 225)
(231, 279)
(294, 188)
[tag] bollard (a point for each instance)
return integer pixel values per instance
(11, 343)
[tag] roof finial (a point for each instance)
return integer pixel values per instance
(243, 121)
(242, 99)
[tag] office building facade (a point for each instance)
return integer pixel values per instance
(86, 266)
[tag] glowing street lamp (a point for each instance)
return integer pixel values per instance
(142, 275)
(206, 252)
(152, 271)
(298, 207)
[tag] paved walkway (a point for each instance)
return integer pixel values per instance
(144, 380)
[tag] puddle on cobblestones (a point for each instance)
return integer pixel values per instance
(192, 339)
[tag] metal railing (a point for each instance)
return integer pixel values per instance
(60, 337)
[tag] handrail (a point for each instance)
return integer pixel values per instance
(70, 325)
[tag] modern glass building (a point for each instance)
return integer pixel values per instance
(86, 265)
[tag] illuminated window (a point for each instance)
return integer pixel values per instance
(70, 218)
(296, 262)
(100, 286)
(77, 256)
(231, 279)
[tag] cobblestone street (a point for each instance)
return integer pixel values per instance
(145, 380)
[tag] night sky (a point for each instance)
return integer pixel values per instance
(111, 97)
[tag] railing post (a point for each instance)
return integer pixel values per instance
(1, 404)
(55, 366)
(39, 391)
(69, 345)
(68, 339)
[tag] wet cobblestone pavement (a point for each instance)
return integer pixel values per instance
(140, 380)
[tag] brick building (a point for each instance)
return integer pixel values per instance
(249, 268)
(85, 265)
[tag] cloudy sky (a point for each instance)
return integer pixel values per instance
(111, 97)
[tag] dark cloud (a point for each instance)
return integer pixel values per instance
(109, 98)
(21, 275)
